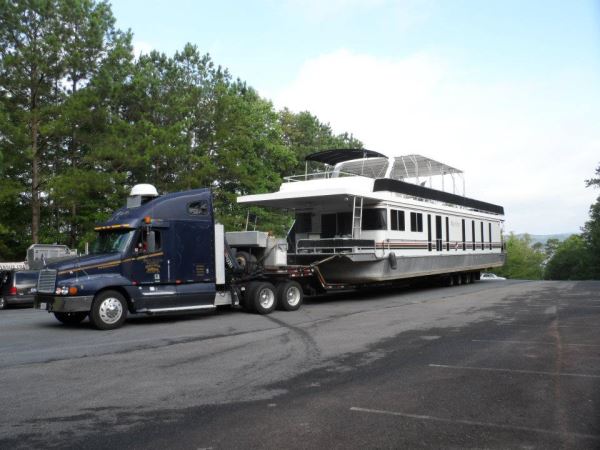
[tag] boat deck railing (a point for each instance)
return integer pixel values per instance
(319, 176)
(335, 245)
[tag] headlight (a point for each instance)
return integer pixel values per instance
(64, 290)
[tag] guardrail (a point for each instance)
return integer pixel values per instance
(319, 176)
(339, 245)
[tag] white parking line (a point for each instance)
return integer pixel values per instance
(476, 423)
(508, 341)
(529, 372)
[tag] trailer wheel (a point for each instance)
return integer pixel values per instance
(261, 297)
(289, 295)
(70, 318)
(457, 279)
(109, 310)
(246, 261)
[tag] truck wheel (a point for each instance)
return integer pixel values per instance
(109, 310)
(261, 297)
(289, 295)
(70, 318)
(246, 261)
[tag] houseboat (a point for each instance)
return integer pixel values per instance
(364, 217)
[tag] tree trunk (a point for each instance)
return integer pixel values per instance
(35, 181)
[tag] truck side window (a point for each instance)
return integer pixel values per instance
(199, 208)
(142, 245)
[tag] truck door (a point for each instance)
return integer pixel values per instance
(192, 261)
(147, 268)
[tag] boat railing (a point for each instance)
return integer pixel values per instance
(335, 245)
(319, 176)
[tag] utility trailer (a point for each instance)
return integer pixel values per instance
(165, 254)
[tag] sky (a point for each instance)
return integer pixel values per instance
(507, 91)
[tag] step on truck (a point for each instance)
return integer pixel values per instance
(165, 254)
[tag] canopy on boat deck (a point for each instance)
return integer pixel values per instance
(335, 156)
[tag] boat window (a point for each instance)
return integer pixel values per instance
(303, 223)
(397, 218)
(416, 221)
(374, 219)
(336, 224)
(344, 223)
(482, 238)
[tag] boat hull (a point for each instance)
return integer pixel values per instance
(357, 269)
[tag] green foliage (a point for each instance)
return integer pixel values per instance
(81, 121)
(570, 261)
(578, 258)
(591, 236)
(522, 260)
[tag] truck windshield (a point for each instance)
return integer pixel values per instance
(112, 241)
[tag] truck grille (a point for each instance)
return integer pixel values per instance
(46, 281)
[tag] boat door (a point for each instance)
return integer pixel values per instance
(438, 233)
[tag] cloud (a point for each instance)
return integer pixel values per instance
(526, 144)
(141, 47)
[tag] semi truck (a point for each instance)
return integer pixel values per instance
(167, 254)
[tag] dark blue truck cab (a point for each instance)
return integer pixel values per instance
(160, 254)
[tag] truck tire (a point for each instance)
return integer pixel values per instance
(70, 318)
(109, 310)
(289, 295)
(246, 261)
(261, 297)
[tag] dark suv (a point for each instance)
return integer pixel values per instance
(17, 287)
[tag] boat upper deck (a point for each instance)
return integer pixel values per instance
(369, 174)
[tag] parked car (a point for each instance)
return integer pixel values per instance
(18, 287)
(487, 276)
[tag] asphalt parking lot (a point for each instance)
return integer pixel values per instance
(492, 365)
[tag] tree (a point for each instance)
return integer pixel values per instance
(591, 236)
(570, 261)
(48, 49)
(522, 260)
(303, 133)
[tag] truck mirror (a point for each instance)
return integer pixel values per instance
(151, 241)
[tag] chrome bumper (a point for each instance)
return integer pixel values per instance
(64, 304)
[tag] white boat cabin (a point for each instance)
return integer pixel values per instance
(363, 202)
